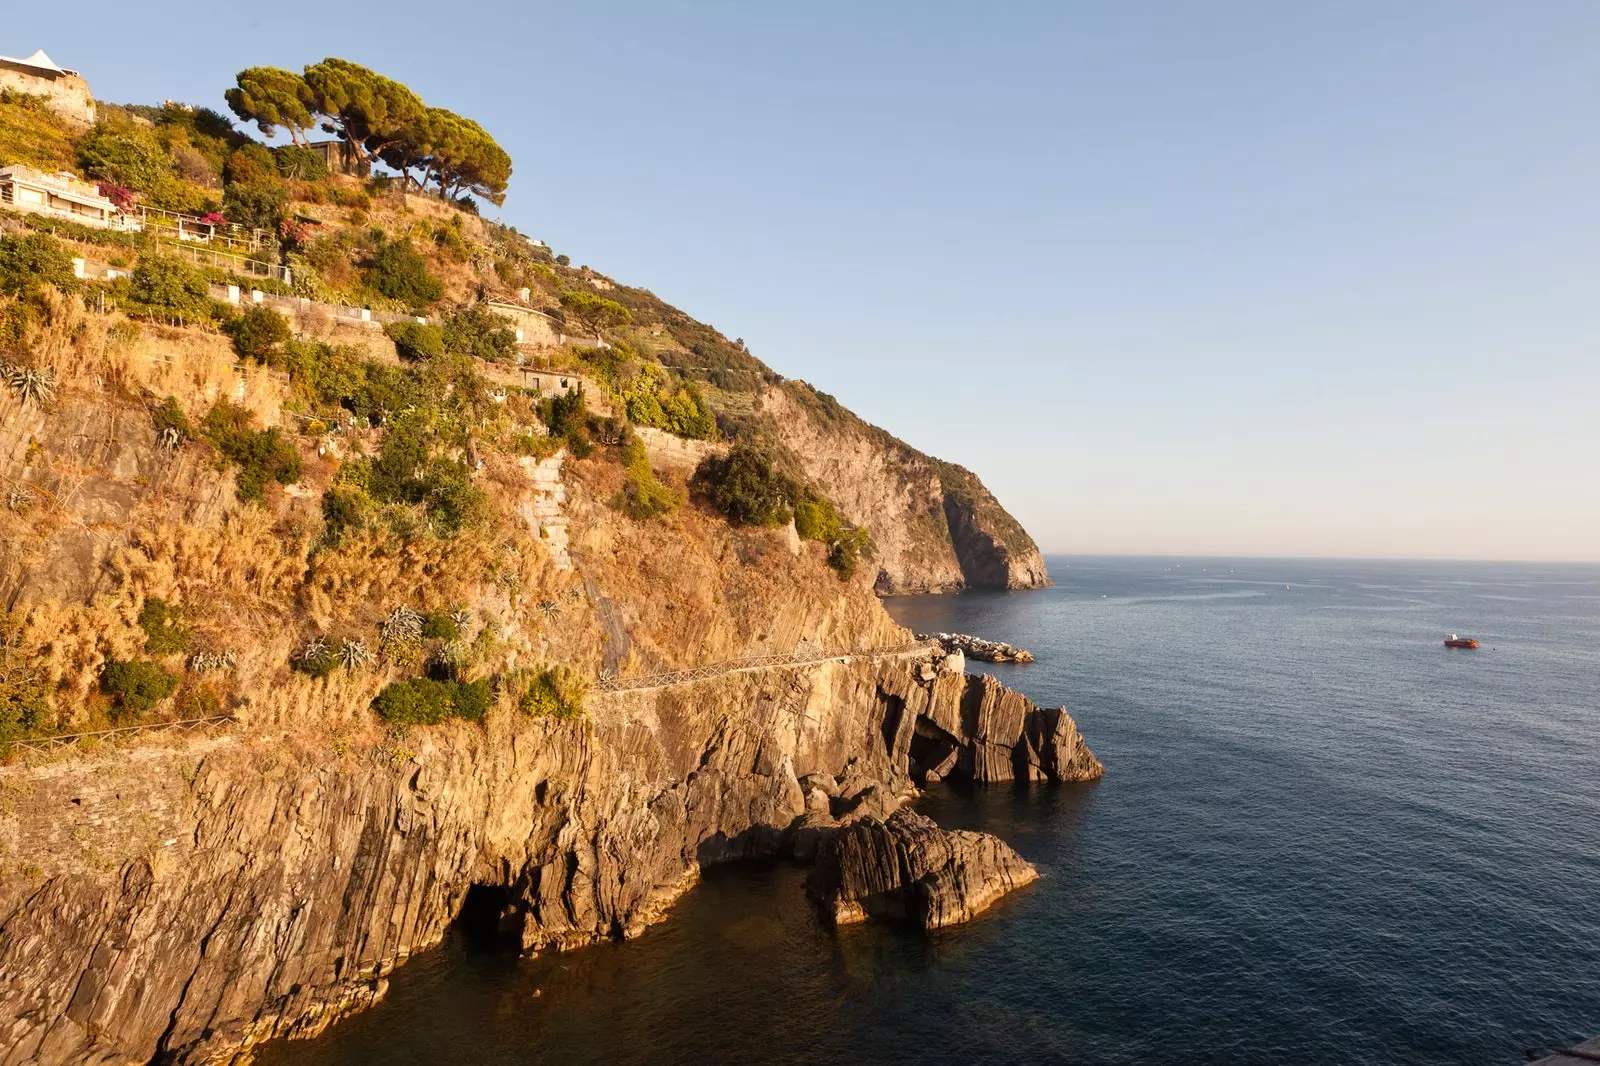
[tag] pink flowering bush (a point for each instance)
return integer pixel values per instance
(121, 198)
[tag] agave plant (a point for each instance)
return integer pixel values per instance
(206, 661)
(20, 501)
(462, 618)
(170, 439)
(608, 674)
(315, 651)
(550, 608)
(355, 654)
(403, 626)
(31, 384)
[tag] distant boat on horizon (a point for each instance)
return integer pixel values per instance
(1455, 641)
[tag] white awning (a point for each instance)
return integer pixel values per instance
(39, 61)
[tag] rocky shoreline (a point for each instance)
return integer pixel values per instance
(987, 651)
(191, 900)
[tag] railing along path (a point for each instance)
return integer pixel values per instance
(182, 725)
(728, 666)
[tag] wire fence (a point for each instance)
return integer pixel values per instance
(727, 666)
(182, 725)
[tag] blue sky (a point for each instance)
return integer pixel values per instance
(1227, 277)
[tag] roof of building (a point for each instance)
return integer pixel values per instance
(39, 61)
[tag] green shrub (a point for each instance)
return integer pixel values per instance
(164, 628)
(642, 496)
(135, 686)
(168, 416)
(250, 164)
(259, 455)
(425, 701)
(302, 164)
(399, 273)
(258, 332)
(478, 331)
(406, 472)
(324, 375)
(31, 260)
(746, 488)
(415, 340)
(169, 288)
(440, 625)
(261, 204)
(845, 552)
(554, 692)
(567, 416)
(344, 510)
(125, 153)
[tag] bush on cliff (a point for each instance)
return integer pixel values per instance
(170, 290)
(415, 341)
(165, 631)
(746, 488)
(135, 686)
(258, 333)
(553, 692)
(478, 331)
(399, 273)
(642, 496)
(425, 701)
(259, 456)
(31, 260)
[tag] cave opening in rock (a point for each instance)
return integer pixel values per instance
(487, 917)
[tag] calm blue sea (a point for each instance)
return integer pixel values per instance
(1321, 838)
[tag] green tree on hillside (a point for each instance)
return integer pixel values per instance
(457, 154)
(595, 312)
(272, 97)
(371, 112)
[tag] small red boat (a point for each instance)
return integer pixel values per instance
(1454, 641)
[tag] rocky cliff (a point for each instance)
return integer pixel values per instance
(181, 900)
(934, 525)
(426, 622)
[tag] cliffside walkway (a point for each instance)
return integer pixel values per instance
(182, 725)
(667, 678)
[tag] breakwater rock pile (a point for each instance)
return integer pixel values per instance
(987, 651)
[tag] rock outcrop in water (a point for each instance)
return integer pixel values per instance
(191, 899)
(987, 651)
(906, 868)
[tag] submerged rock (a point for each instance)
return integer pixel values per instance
(907, 868)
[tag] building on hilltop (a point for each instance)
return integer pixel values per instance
(64, 90)
(340, 158)
(61, 195)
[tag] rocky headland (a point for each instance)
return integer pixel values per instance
(320, 631)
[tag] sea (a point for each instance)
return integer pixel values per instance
(1322, 837)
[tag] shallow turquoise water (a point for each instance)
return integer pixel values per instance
(1322, 837)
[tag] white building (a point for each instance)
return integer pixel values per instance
(60, 196)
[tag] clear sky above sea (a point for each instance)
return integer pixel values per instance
(1227, 277)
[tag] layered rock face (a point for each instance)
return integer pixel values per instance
(934, 525)
(180, 902)
(906, 868)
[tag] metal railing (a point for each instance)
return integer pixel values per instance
(239, 264)
(728, 666)
(182, 725)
